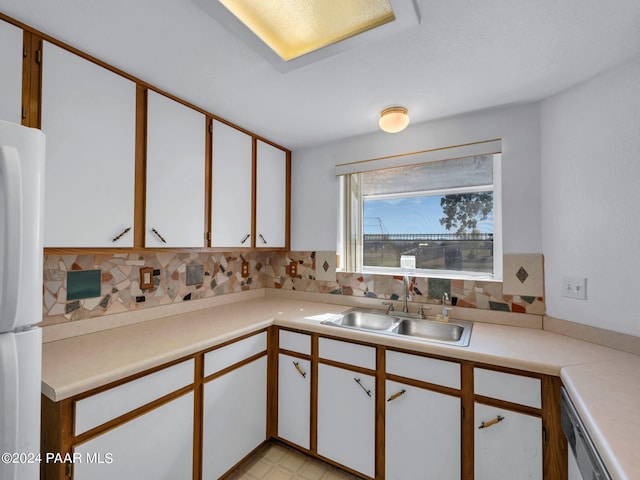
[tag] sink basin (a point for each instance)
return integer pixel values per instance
(454, 332)
(449, 332)
(365, 320)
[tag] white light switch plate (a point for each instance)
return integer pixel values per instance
(574, 287)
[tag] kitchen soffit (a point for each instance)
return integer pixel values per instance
(290, 35)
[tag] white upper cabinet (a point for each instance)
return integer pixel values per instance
(271, 196)
(10, 73)
(176, 137)
(231, 187)
(88, 116)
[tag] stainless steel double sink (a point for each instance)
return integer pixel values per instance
(453, 332)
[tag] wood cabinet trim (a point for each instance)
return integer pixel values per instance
(347, 366)
(467, 424)
(273, 361)
(381, 412)
(292, 353)
(31, 80)
(315, 348)
(234, 340)
(516, 407)
(140, 189)
(233, 367)
(198, 416)
(434, 387)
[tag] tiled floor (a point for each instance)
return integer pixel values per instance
(277, 462)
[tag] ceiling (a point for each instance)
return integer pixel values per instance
(465, 55)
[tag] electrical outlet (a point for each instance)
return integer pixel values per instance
(293, 269)
(574, 287)
(245, 269)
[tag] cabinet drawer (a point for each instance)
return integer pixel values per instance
(508, 387)
(105, 406)
(295, 342)
(233, 353)
(430, 370)
(349, 353)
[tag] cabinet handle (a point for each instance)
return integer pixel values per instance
(121, 234)
(488, 424)
(245, 238)
(396, 395)
(299, 368)
(262, 238)
(368, 392)
(158, 235)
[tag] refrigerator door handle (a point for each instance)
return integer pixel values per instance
(11, 261)
(9, 403)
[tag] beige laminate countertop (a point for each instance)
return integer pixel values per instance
(607, 397)
(603, 382)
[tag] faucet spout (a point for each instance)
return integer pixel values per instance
(405, 282)
(445, 298)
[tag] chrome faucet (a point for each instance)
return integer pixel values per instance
(445, 311)
(405, 282)
(445, 299)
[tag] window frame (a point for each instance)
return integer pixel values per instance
(351, 224)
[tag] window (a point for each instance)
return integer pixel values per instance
(444, 213)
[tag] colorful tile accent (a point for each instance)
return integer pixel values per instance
(186, 276)
(523, 274)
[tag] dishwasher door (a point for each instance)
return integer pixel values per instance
(584, 452)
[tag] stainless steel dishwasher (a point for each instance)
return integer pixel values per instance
(585, 463)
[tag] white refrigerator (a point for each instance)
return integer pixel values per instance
(21, 202)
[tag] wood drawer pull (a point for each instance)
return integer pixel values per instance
(299, 368)
(488, 424)
(359, 382)
(396, 395)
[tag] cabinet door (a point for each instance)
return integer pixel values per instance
(231, 187)
(10, 73)
(271, 196)
(346, 418)
(234, 418)
(422, 434)
(294, 397)
(88, 115)
(510, 448)
(175, 174)
(155, 446)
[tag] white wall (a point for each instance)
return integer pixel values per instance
(314, 185)
(591, 198)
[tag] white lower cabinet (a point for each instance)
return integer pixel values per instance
(294, 400)
(509, 445)
(234, 417)
(346, 418)
(155, 446)
(422, 434)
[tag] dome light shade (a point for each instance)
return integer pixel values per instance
(394, 119)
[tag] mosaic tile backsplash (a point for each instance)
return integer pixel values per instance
(221, 273)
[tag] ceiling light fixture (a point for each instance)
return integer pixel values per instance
(394, 119)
